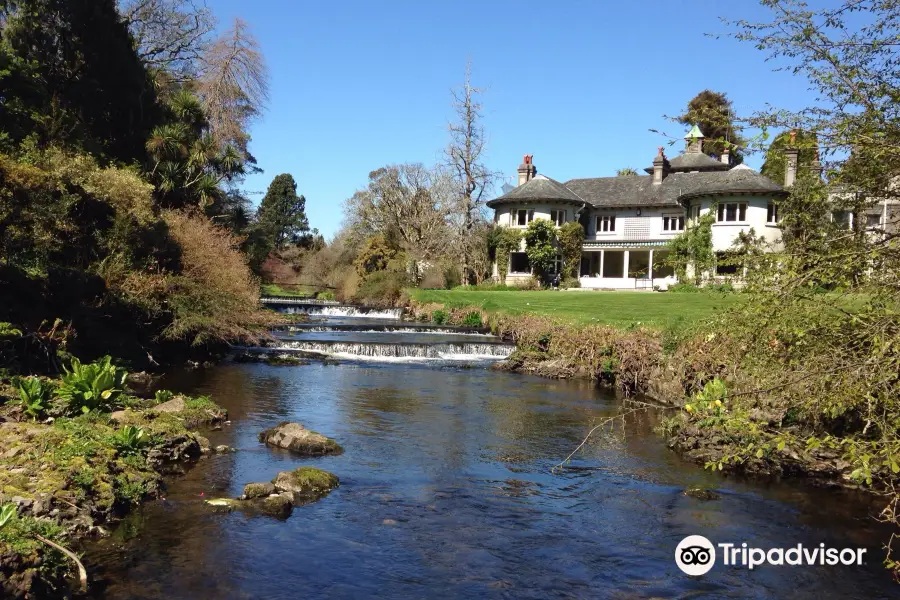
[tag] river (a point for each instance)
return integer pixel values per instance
(447, 491)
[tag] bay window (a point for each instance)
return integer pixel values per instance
(732, 212)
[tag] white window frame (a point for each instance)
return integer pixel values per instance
(876, 225)
(558, 216)
(673, 223)
(606, 223)
(529, 216)
(723, 208)
(773, 216)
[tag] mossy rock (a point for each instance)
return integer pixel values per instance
(279, 505)
(286, 360)
(701, 494)
(306, 482)
(258, 490)
(297, 438)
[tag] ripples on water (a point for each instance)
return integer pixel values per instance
(446, 492)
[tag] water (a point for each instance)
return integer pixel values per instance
(447, 492)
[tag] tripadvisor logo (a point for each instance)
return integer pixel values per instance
(696, 555)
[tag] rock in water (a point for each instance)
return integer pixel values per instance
(297, 438)
(257, 490)
(701, 494)
(278, 505)
(305, 483)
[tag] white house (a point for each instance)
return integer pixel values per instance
(628, 220)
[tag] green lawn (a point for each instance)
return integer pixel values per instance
(271, 289)
(614, 308)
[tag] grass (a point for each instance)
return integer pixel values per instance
(272, 289)
(611, 308)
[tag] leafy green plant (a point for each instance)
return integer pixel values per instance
(539, 237)
(95, 386)
(439, 317)
(163, 396)
(7, 513)
(33, 394)
(472, 319)
(130, 439)
(570, 237)
(506, 240)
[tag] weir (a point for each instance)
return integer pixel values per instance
(436, 350)
(340, 310)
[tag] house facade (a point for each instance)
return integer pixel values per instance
(629, 220)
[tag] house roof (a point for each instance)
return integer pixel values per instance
(694, 133)
(539, 189)
(695, 161)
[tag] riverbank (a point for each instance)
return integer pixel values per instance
(717, 418)
(66, 478)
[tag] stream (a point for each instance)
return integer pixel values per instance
(447, 490)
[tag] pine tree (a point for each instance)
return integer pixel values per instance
(282, 213)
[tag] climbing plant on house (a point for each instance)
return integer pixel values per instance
(539, 238)
(570, 238)
(507, 240)
(692, 250)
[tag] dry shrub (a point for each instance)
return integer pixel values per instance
(433, 279)
(215, 298)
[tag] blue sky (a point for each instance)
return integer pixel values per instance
(579, 84)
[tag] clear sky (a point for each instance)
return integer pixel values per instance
(578, 84)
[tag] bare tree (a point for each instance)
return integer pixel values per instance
(464, 159)
(408, 202)
(233, 85)
(170, 35)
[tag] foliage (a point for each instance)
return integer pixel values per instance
(130, 440)
(712, 112)
(692, 251)
(439, 317)
(374, 256)
(161, 396)
(33, 395)
(472, 319)
(571, 282)
(539, 237)
(506, 240)
(433, 278)
(775, 160)
(7, 513)
(626, 172)
(382, 288)
(94, 386)
(282, 214)
(570, 238)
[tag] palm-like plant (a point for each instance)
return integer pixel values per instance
(33, 394)
(94, 386)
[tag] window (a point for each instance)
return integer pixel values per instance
(772, 215)
(524, 216)
(606, 223)
(695, 212)
(732, 211)
(518, 263)
(842, 218)
(556, 267)
(873, 221)
(558, 217)
(673, 223)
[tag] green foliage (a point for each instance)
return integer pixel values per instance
(282, 214)
(539, 237)
(505, 240)
(374, 255)
(713, 113)
(7, 513)
(33, 395)
(326, 295)
(472, 319)
(130, 440)
(775, 159)
(162, 396)
(570, 237)
(571, 282)
(439, 317)
(95, 386)
(626, 172)
(692, 250)
(382, 288)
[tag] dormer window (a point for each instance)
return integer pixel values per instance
(558, 217)
(524, 216)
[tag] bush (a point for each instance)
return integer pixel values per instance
(433, 279)
(571, 282)
(439, 317)
(684, 288)
(531, 284)
(723, 288)
(33, 395)
(326, 295)
(95, 386)
(472, 319)
(381, 288)
(130, 439)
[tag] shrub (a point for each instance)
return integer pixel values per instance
(326, 295)
(684, 288)
(33, 395)
(506, 240)
(571, 282)
(539, 237)
(723, 288)
(374, 256)
(532, 283)
(472, 319)
(163, 396)
(570, 237)
(130, 439)
(381, 288)
(439, 317)
(433, 279)
(95, 386)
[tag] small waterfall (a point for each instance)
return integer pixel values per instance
(411, 328)
(382, 351)
(344, 311)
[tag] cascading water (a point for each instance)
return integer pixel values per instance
(343, 311)
(437, 350)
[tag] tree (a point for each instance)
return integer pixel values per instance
(375, 255)
(93, 90)
(170, 35)
(282, 213)
(233, 85)
(570, 237)
(626, 172)
(713, 114)
(691, 253)
(465, 160)
(539, 238)
(408, 203)
(776, 161)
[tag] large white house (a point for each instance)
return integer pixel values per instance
(628, 220)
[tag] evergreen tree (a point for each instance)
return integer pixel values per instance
(282, 213)
(712, 113)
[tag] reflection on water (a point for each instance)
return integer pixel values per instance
(446, 492)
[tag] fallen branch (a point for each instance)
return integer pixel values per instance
(82, 572)
(602, 423)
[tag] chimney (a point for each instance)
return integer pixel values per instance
(527, 170)
(660, 167)
(791, 154)
(693, 141)
(726, 157)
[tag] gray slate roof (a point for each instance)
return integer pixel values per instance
(696, 161)
(539, 189)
